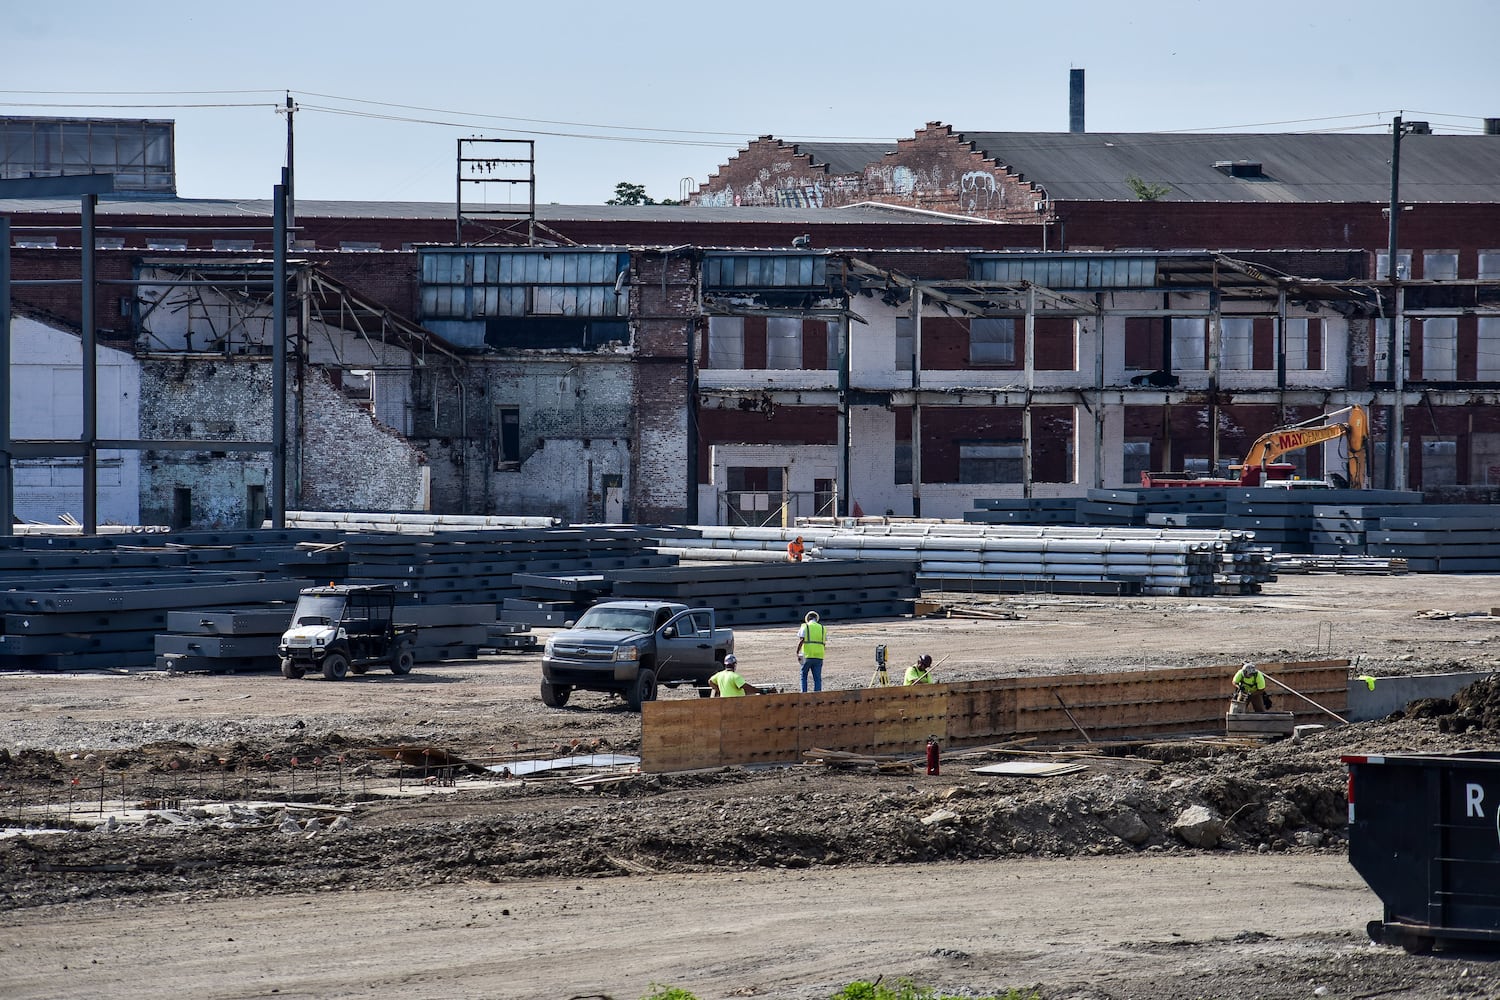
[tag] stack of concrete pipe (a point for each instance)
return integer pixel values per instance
(1160, 561)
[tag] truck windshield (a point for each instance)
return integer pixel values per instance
(318, 609)
(621, 619)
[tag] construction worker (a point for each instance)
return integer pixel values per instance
(811, 640)
(728, 683)
(795, 549)
(1251, 683)
(920, 672)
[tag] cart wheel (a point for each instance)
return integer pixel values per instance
(643, 690)
(335, 667)
(290, 669)
(1416, 944)
(555, 695)
(403, 662)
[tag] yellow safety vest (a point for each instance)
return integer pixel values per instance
(916, 675)
(729, 683)
(812, 642)
(1249, 686)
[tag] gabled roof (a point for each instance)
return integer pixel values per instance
(1094, 166)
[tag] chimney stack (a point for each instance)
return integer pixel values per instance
(1075, 100)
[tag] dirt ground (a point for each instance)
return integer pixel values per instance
(245, 835)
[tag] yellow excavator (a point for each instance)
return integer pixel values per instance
(1260, 467)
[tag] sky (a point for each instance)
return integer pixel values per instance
(662, 93)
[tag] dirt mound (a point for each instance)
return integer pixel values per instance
(1475, 708)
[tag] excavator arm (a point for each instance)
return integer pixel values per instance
(1273, 444)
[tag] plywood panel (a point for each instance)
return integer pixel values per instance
(679, 735)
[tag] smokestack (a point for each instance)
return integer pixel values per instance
(1075, 100)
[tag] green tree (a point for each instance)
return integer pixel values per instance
(627, 193)
(1147, 192)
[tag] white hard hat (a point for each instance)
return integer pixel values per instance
(731, 660)
(812, 616)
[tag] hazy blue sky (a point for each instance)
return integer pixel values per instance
(669, 90)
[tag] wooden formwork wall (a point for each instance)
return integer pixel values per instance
(680, 735)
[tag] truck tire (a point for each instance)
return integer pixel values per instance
(643, 690)
(291, 669)
(403, 662)
(555, 695)
(358, 668)
(335, 667)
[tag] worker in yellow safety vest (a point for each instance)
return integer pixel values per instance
(811, 640)
(1251, 683)
(728, 683)
(921, 671)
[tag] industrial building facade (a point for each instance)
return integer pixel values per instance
(723, 364)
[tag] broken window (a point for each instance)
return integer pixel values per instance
(507, 438)
(906, 328)
(1439, 462)
(1137, 461)
(1489, 265)
(992, 341)
(1383, 267)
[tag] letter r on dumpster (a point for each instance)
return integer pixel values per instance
(1474, 795)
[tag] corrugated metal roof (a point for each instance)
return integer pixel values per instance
(1094, 166)
(253, 209)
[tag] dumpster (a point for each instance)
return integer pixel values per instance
(1424, 833)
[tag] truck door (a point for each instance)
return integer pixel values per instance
(685, 645)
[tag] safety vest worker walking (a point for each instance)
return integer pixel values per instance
(811, 640)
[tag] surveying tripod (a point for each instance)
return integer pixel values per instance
(880, 677)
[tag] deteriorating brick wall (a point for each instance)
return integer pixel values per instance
(350, 461)
(771, 172)
(939, 171)
(225, 399)
(575, 411)
(664, 298)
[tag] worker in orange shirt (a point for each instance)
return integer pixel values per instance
(795, 549)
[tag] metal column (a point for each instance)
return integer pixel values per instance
(90, 372)
(916, 401)
(278, 359)
(7, 480)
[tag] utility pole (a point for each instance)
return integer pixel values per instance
(1396, 456)
(291, 200)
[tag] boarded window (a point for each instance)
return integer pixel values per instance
(1440, 265)
(1439, 462)
(783, 342)
(989, 462)
(1237, 337)
(1189, 344)
(726, 342)
(1487, 368)
(1440, 349)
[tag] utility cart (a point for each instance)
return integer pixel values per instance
(340, 628)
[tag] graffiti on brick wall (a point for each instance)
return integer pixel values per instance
(978, 191)
(901, 180)
(801, 196)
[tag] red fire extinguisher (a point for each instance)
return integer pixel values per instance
(932, 755)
